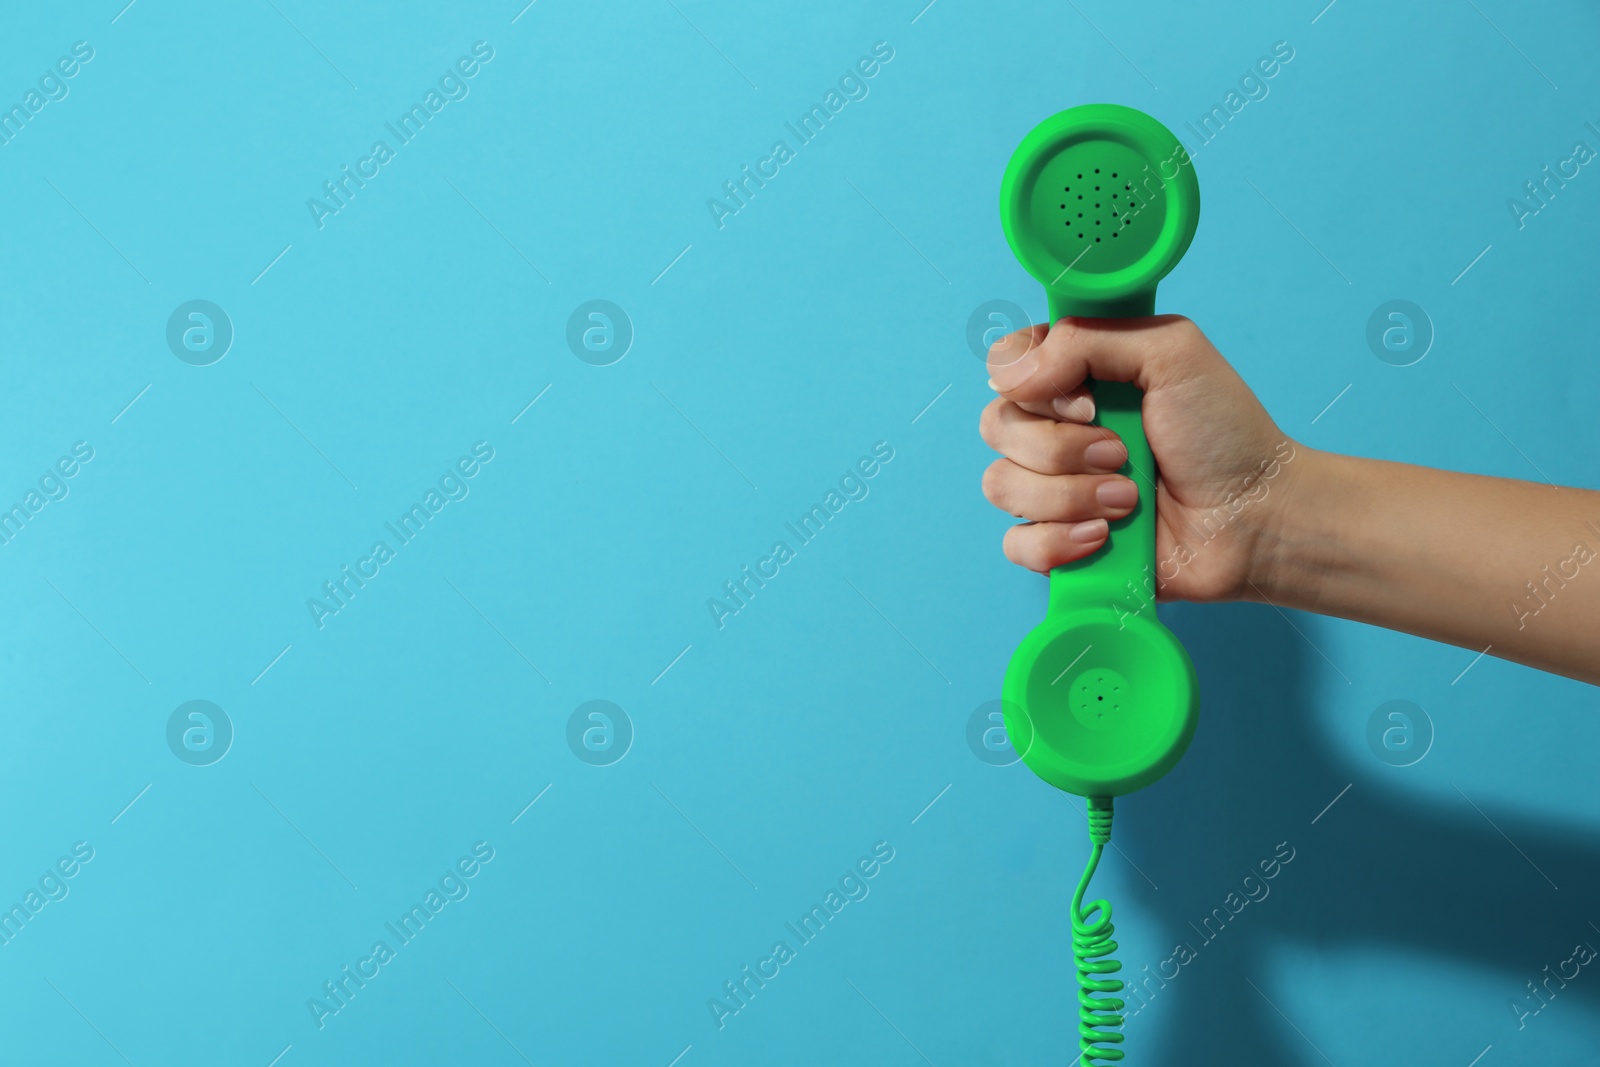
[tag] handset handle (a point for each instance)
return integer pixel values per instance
(1120, 574)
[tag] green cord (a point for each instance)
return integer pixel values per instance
(1091, 949)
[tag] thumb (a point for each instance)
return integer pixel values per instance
(1112, 350)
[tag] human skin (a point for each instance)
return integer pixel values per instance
(1244, 512)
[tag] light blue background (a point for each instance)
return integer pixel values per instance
(830, 712)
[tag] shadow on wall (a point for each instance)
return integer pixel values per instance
(1379, 870)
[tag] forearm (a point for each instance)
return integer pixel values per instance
(1480, 562)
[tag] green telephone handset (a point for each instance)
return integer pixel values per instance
(1099, 203)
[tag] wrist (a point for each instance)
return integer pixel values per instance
(1298, 534)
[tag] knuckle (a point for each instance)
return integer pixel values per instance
(989, 423)
(1014, 545)
(1071, 344)
(1066, 451)
(1052, 548)
(1066, 334)
(1022, 546)
(1182, 334)
(1067, 326)
(995, 483)
(1077, 496)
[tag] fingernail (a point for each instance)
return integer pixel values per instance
(1087, 533)
(1105, 456)
(993, 386)
(1078, 409)
(1119, 493)
(1012, 375)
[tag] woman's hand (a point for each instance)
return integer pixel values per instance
(1245, 513)
(1223, 463)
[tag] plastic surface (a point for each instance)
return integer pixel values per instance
(1099, 203)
